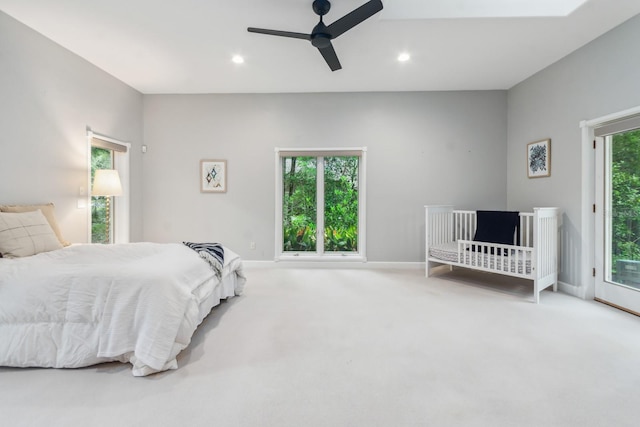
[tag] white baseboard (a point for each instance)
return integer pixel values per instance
(334, 265)
(570, 289)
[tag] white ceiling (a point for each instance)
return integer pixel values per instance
(185, 46)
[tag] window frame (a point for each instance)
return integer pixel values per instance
(120, 206)
(320, 254)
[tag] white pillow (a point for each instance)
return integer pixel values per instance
(25, 234)
(48, 210)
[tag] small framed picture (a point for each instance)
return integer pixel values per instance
(213, 176)
(539, 159)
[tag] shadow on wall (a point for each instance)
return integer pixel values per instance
(570, 253)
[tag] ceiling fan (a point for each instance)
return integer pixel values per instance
(321, 35)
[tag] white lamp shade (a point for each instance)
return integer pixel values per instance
(106, 182)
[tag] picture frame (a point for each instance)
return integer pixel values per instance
(539, 158)
(213, 176)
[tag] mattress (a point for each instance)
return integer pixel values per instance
(448, 252)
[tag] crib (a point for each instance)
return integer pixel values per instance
(533, 256)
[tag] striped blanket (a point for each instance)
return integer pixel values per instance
(213, 253)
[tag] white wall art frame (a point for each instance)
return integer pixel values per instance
(213, 176)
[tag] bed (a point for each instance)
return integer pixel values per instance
(517, 244)
(83, 304)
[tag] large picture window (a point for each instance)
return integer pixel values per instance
(320, 204)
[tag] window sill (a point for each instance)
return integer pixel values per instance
(301, 257)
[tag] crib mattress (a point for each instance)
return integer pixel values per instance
(448, 252)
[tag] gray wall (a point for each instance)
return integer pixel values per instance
(48, 97)
(599, 79)
(423, 148)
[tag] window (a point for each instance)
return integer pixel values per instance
(109, 217)
(320, 204)
(101, 212)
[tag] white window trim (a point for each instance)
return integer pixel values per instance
(360, 256)
(121, 207)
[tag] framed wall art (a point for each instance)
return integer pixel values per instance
(539, 158)
(213, 176)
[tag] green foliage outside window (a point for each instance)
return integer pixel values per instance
(100, 159)
(299, 204)
(625, 197)
(340, 210)
(341, 204)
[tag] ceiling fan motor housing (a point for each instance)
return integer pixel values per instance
(320, 36)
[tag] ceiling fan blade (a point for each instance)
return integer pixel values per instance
(355, 17)
(329, 55)
(280, 33)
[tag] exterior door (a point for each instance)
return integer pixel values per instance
(618, 219)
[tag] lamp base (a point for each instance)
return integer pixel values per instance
(107, 229)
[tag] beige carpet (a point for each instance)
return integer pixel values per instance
(307, 347)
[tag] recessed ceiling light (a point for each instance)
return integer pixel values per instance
(404, 57)
(237, 59)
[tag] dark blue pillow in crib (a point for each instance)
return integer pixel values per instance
(496, 227)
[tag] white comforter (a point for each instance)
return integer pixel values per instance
(87, 304)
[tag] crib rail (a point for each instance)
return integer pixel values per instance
(509, 259)
(439, 225)
(465, 224)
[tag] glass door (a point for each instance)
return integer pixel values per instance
(618, 224)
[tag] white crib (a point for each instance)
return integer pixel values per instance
(449, 241)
